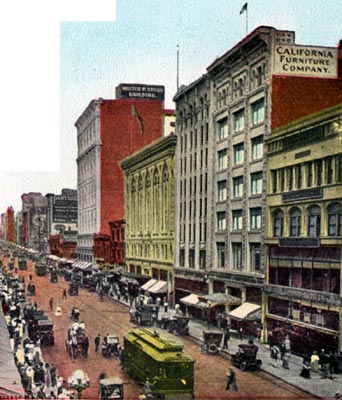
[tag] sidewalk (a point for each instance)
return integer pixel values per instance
(317, 387)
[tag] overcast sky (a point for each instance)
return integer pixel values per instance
(54, 63)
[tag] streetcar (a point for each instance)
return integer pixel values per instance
(148, 356)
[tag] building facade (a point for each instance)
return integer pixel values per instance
(117, 242)
(9, 225)
(108, 131)
(304, 232)
(149, 211)
(243, 95)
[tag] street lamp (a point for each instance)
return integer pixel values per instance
(78, 381)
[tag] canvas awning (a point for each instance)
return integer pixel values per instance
(190, 300)
(247, 311)
(85, 266)
(148, 284)
(158, 287)
(218, 299)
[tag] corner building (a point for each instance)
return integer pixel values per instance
(304, 233)
(220, 204)
(107, 132)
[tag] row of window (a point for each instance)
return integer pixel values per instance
(237, 220)
(238, 120)
(295, 228)
(255, 186)
(191, 183)
(157, 251)
(236, 255)
(257, 153)
(308, 174)
(203, 205)
(193, 230)
(195, 162)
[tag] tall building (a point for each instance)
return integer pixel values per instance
(149, 213)
(264, 81)
(34, 221)
(10, 226)
(107, 132)
(304, 231)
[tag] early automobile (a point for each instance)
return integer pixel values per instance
(40, 327)
(111, 388)
(73, 289)
(40, 268)
(211, 341)
(246, 357)
(178, 325)
(22, 263)
(144, 314)
(110, 347)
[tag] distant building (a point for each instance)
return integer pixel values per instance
(10, 225)
(303, 233)
(117, 242)
(108, 131)
(149, 212)
(34, 221)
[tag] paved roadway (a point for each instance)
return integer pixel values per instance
(109, 316)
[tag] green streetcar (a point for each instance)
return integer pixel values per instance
(149, 356)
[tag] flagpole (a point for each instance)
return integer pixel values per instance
(177, 67)
(247, 21)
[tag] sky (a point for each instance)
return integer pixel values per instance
(59, 55)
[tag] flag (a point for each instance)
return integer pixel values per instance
(138, 118)
(244, 8)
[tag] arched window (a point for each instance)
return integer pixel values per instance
(313, 221)
(295, 222)
(334, 219)
(278, 222)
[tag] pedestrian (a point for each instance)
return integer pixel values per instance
(282, 349)
(226, 339)
(53, 375)
(64, 294)
(314, 362)
(30, 277)
(231, 379)
(240, 333)
(306, 369)
(166, 305)
(51, 303)
(274, 354)
(97, 342)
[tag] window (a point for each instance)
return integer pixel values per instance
(257, 148)
(314, 221)
(220, 253)
(237, 220)
(295, 222)
(221, 221)
(238, 186)
(256, 183)
(255, 218)
(274, 180)
(221, 191)
(278, 221)
(255, 256)
(202, 259)
(222, 129)
(191, 258)
(237, 256)
(222, 159)
(181, 257)
(258, 112)
(239, 121)
(335, 219)
(238, 153)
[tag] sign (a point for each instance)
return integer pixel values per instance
(319, 62)
(138, 91)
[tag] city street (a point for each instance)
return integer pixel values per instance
(108, 316)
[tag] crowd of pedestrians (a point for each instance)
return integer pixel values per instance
(39, 379)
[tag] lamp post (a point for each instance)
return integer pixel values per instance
(78, 381)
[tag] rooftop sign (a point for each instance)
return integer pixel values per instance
(319, 62)
(138, 91)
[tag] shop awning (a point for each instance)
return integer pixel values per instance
(53, 257)
(85, 266)
(190, 300)
(158, 287)
(148, 284)
(218, 299)
(247, 311)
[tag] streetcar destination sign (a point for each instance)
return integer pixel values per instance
(305, 61)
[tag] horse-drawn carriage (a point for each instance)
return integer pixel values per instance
(110, 347)
(76, 343)
(246, 357)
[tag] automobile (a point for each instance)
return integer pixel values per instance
(73, 289)
(22, 263)
(178, 325)
(111, 388)
(144, 314)
(211, 341)
(111, 347)
(246, 357)
(40, 268)
(40, 327)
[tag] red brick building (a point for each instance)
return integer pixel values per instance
(9, 217)
(107, 132)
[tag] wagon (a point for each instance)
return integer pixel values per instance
(111, 388)
(111, 347)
